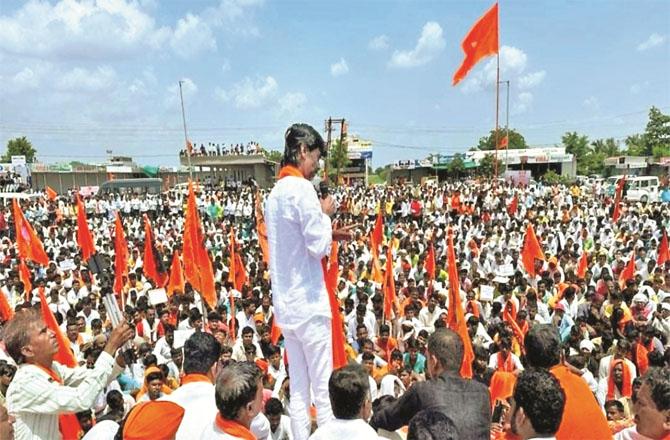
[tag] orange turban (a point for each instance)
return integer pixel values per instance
(143, 421)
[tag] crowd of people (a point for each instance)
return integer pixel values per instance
(575, 348)
(216, 149)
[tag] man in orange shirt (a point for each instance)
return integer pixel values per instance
(582, 417)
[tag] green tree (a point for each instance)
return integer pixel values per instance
(487, 165)
(337, 157)
(601, 149)
(636, 145)
(19, 147)
(579, 147)
(658, 133)
(273, 155)
(516, 140)
(456, 167)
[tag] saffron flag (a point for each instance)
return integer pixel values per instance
(513, 206)
(150, 265)
(628, 271)
(330, 273)
(197, 264)
(6, 311)
(275, 332)
(84, 237)
(503, 143)
(430, 261)
(24, 276)
(238, 274)
(262, 230)
(663, 252)
(480, 42)
(378, 231)
(28, 243)
(617, 199)
(531, 251)
(51, 194)
(455, 315)
(120, 255)
(582, 266)
(376, 274)
(389, 286)
(176, 283)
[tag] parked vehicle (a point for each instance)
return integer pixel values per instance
(642, 189)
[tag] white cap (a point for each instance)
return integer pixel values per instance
(586, 345)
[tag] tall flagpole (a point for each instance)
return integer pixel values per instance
(507, 128)
(183, 118)
(495, 166)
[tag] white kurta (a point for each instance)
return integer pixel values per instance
(356, 429)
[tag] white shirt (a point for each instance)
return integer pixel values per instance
(299, 236)
(356, 429)
(493, 361)
(105, 430)
(283, 431)
(36, 400)
(630, 434)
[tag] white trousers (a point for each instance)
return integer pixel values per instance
(310, 363)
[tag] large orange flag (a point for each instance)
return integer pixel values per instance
(582, 266)
(628, 271)
(330, 277)
(389, 286)
(531, 251)
(430, 261)
(176, 283)
(262, 231)
(68, 423)
(480, 42)
(237, 274)
(84, 237)
(455, 315)
(663, 252)
(149, 264)
(120, 255)
(51, 194)
(618, 195)
(513, 206)
(376, 274)
(197, 264)
(28, 243)
(24, 276)
(378, 231)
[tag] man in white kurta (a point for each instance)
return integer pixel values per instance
(299, 236)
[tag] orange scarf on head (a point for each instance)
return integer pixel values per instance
(231, 427)
(68, 424)
(505, 365)
(626, 386)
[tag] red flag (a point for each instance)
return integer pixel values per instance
(617, 199)
(84, 237)
(197, 264)
(262, 231)
(24, 276)
(582, 266)
(51, 194)
(120, 255)
(663, 252)
(176, 276)
(455, 315)
(389, 286)
(480, 42)
(150, 265)
(330, 273)
(28, 243)
(378, 231)
(531, 251)
(430, 261)
(513, 206)
(628, 271)
(502, 145)
(641, 357)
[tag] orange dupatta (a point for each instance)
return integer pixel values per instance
(231, 427)
(626, 386)
(194, 377)
(505, 365)
(68, 424)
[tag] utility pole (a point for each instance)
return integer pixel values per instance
(183, 118)
(329, 129)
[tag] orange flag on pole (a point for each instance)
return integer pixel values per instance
(24, 276)
(513, 206)
(663, 252)
(150, 265)
(378, 231)
(531, 251)
(455, 315)
(617, 199)
(389, 286)
(176, 276)
(430, 261)
(582, 266)
(480, 42)
(120, 255)
(28, 243)
(376, 274)
(197, 264)
(237, 274)
(51, 194)
(84, 237)
(330, 276)
(6, 311)
(628, 271)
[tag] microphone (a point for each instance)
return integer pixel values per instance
(323, 189)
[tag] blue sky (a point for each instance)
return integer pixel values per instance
(81, 77)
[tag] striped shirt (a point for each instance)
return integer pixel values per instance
(36, 400)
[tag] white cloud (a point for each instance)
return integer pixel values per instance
(250, 94)
(292, 103)
(192, 36)
(339, 68)
(531, 80)
(430, 43)
(523, 102)
(638, 87)
(234, 17)
(225, 65)
(380, 42)
(84, 80)
(591, 103)
(513, 63)
(653, 41)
